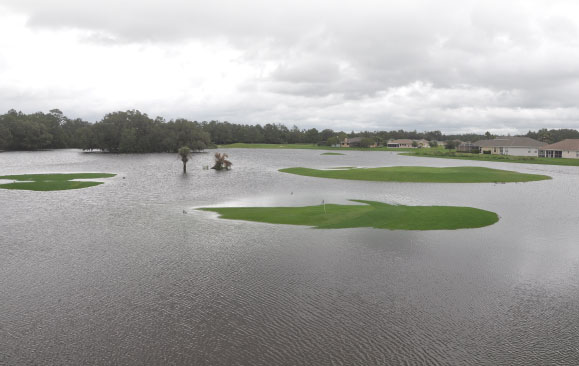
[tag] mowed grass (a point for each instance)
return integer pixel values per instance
(331, 153)
(305, 146)
(371, 214)
(451, 154)
(421, 174)
(52, 182)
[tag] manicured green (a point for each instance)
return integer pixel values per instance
(305, 146)
(372, 214)
(52, 182)
(463, 174)
(332, 154)
(451, 154)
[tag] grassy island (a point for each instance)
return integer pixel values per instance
(331, 153)
(371, 214)
(421, 174)
(52, 182)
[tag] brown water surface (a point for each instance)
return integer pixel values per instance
(119, 274)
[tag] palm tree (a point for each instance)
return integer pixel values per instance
(185, 154)
(221, 162)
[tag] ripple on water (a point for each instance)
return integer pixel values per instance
(117, 274)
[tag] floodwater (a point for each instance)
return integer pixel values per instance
(130, 273)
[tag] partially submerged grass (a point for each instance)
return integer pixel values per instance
(240, 145)
(451, 154)
(371, 214)
(52, 182)
(331, 153)
(421, 174)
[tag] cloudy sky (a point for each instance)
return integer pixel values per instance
(456, 66)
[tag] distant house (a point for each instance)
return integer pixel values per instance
(399, 143)
(517, 146)
(568, 148)
(423, 143)
(354, 142)
(468, 147)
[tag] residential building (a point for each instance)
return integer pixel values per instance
(399, 143)
(468, 147)
(568, 148)
(354, 142)
(517, 146)
(423, 143)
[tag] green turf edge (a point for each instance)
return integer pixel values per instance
(56, 176)
(493, 158)
(372, 214)
(52, 182)
(419, 174)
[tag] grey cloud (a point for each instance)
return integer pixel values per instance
(462, 64)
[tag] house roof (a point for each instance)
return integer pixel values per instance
(510, 142)
(354, 139)
(567, 144)
(401, 141)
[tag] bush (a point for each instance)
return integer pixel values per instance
(221, 162)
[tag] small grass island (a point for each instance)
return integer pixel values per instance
(331, 153)
(52, 182)
(420, 174)
(370, 214)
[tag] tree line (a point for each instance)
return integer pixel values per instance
(135, 132)
(118, 132)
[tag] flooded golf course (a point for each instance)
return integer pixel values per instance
(129, 272)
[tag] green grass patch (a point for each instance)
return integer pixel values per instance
(330, 153)
(52, 182)
(371, 214)
(451, 154)
(305, 146)
(421, 174)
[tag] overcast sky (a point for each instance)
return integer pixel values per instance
(456, 66)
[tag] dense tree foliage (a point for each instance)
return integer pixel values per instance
(19, 131)
(135, 132)
(122, 132)
(551, 136)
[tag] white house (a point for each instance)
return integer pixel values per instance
(423, 143)
(399, 143)
(568, 148)
(517, 146)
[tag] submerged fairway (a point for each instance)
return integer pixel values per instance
(125, 251)
(421, 174)
(241, 145)
(372, 214)
(52, 182)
